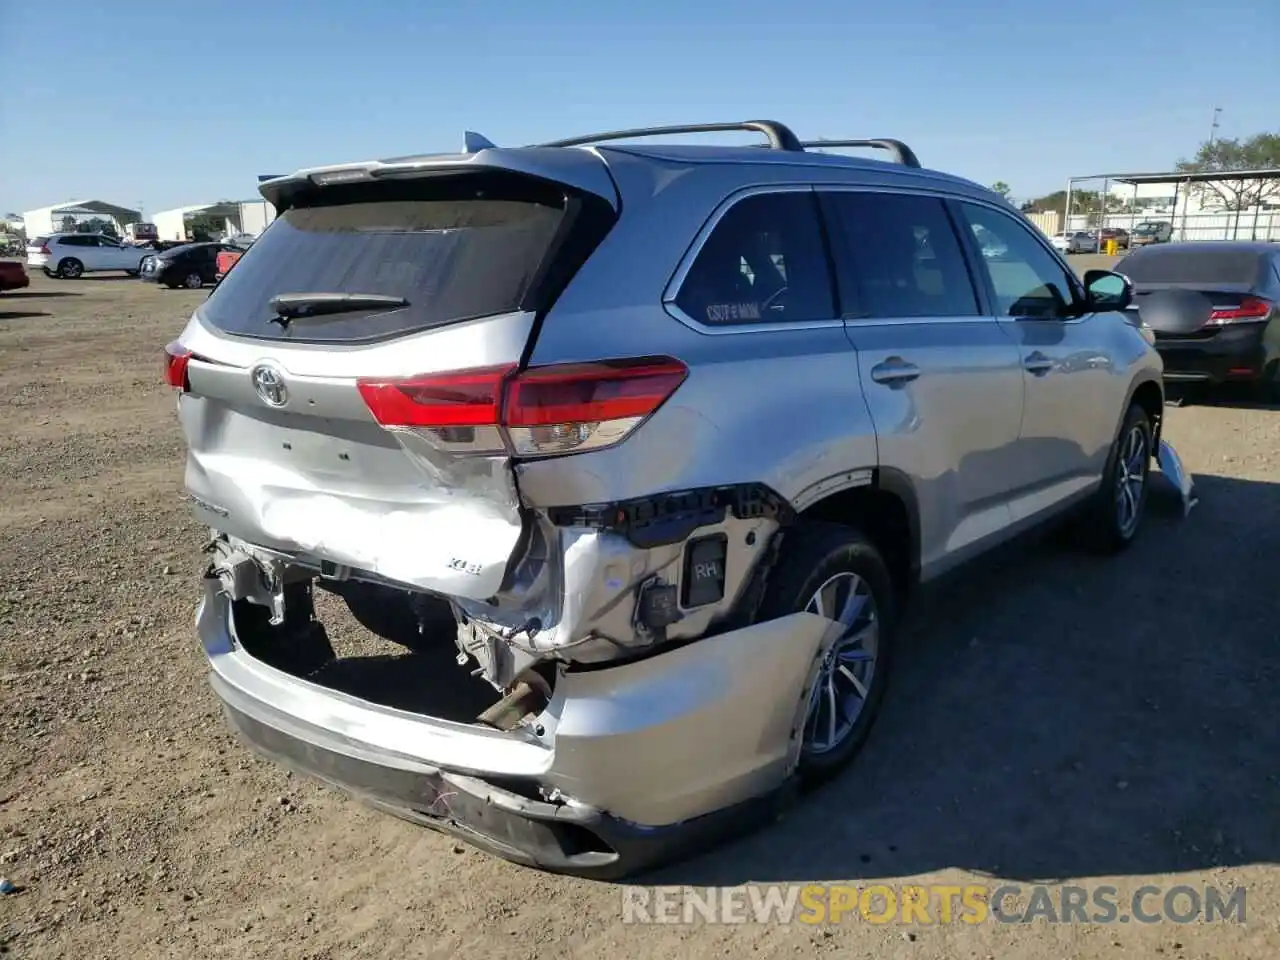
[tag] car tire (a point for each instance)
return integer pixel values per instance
(193, 281)
(1116, 514)
(1267, 388)
(69, 268)
(837, 561)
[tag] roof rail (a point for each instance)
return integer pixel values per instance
(901, 152)
(779, 135)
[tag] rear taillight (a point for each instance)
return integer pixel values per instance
(564, 408)
(176, 358)
(44, 249)
(1251, 308)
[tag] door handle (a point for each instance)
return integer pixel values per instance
(1038, 364)
(893, 371)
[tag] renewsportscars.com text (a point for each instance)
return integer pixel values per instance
(927, 904)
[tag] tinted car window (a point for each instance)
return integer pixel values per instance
(898, 256)
(1028, 281)
(75, 240)
(455, 249)
(763, 263)
(1168, 264)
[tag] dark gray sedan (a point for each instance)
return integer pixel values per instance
(1240, 341)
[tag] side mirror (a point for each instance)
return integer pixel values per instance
(1107, 290)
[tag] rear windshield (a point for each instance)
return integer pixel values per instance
(1172, 265)
(38, 242)
(454, 249)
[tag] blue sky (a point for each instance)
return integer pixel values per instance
(175, 102)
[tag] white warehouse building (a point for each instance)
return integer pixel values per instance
(63, 217)
(232, 217)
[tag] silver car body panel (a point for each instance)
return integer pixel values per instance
(653, 741)
(318, 476)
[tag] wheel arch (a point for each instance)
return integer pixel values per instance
(882, 503)
(1148, 393)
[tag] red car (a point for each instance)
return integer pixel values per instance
(226, 259)
(13, 275)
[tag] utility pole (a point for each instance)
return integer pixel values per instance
(1213, 127)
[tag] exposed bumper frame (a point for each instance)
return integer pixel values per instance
(479, 785)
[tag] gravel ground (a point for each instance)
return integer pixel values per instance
(1054, 717)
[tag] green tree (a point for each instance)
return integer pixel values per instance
(1259, 152)
(1088, 203)
(1001, 188)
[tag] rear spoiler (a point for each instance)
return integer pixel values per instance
(578, 170)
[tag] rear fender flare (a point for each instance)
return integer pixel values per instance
(887, 479)
(1128, 402)
(899, 484)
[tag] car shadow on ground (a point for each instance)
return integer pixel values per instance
(24, 294)
(1056, 714)
(1239, 396)
(22, 314)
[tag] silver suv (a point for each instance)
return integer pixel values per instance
(654, 441)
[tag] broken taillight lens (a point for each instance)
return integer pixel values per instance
(562, 408)
(176, 358)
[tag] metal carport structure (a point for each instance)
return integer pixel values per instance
(51, 219)
(1179, 180)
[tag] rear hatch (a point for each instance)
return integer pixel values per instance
(323, 404)
(38, 251)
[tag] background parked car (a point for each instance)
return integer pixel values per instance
(136, 232)
(71, 255)
(1240, 342)
(1152, 231)
(225, 260)
(1119, 235)
(191, 265)
(1079, 241)
(13, 275)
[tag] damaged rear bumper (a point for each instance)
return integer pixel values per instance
(634, 764)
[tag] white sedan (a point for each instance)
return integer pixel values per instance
(1081, 241)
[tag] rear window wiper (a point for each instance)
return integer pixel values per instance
(299, 306)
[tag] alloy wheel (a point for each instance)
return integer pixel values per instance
(1131, 478)
(844, 680)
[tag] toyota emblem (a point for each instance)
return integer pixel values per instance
(269, 385)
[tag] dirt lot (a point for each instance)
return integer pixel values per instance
(1055, 717)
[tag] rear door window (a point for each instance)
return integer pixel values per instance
(764, 262)
(898, 255)
(454, 248)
